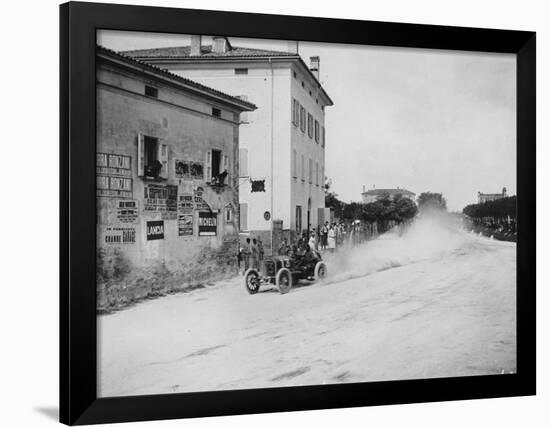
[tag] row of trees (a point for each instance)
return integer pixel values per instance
(386, 208)
(500, 208)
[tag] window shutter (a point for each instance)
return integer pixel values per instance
(163, 159)
(294, 164)
(243, 216)
(226, 168)
(141, 155)
(243, 162)
(208, 166)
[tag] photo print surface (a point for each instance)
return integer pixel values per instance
(281, 213)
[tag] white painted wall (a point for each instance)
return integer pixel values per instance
(303, 190)
(271, 87)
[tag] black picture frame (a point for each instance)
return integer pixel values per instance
(78, 356)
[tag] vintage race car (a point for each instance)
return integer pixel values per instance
(282, 271)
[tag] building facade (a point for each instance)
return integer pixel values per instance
(167, 177)
(489, 197)
(282, 143)
(376, 193)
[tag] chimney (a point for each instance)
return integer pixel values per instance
(504, 191)
(220, 44)
(364, 189)
(314, 65)
(293, 47)
(196, 44)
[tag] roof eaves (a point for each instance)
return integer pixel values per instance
(190, 84)
(280, 56)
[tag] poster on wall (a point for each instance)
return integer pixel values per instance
(182, 169)
(127, 211)
(185, 225)
(120, 235)
(185, 203)
(197, 170)
(161, 198)
(208, 223)
(113, 175)
(155, 230)
(200, 204)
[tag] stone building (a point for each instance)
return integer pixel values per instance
(167, 179)
(489, 197)
(376, 193)
(282, 143)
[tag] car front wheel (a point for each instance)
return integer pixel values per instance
(320, 270)
(252, 281)
(283, 280)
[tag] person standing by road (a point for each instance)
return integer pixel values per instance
(254, 254)
(324, 235)
(260, 250)
(311, 242)
(331, 238)
(246, 254)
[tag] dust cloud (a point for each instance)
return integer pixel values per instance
(431, 235)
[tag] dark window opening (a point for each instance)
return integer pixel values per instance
(151, 91)
(151, 160)
(216, 112)
(303, 84)
(241, 70)
(216, 160)
(298, 219)
(294, 74)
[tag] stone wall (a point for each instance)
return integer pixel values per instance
(149, 246)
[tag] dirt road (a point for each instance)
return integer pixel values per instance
(435, 302)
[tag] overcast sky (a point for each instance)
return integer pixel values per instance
(424, 120)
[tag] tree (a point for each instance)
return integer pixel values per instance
(429, 200)
(406, 208)
(500, 208)
(332, 201)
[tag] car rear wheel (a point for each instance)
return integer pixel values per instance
(252, 281)
(283, 280)
(320, 270)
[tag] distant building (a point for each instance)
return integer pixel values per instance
(489, 197)
(377, 193)
(282, 143)
(166, 167)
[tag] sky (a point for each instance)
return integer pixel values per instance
(424, 120)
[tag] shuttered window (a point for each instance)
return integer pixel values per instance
(243, 216)
(309, 125)
(208, 166)
(151, 153)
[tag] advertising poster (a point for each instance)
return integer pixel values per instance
(113, 175)
(127, 211)
(208, 223)
(161, 198)
(155, 230)
(185, 225)
(120, 235)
